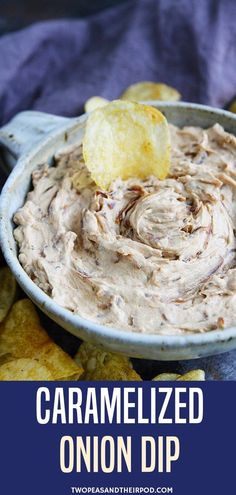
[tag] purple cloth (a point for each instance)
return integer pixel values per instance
(55, 66)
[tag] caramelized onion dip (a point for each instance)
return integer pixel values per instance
(148, 255)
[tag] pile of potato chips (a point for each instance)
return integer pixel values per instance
(26, 350)
(28, 353)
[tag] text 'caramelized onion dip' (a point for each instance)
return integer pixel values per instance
(146, 255)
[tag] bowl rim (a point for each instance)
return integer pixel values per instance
(47, 304)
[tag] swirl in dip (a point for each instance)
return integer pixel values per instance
(148, 256)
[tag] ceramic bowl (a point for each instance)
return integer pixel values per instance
(33, 137)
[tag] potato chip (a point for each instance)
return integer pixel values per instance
(166, 377)
(95, 102)
(147, 90)
(100, 364)
(21, 336)
(5, 358)
(191, 376)
(7, 291)
(24, 369)
(124, 140)
(194, 375)
(232, 107)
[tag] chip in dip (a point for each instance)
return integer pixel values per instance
(147, 255)
(126, 139)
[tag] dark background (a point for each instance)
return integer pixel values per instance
(16, 14)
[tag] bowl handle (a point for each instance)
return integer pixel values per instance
(24, 131)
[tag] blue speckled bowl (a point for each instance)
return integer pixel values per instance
(32, 137)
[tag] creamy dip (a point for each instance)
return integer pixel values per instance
(148, 256)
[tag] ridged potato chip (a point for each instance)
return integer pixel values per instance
(191, 376)
(166, 377)
(232, 107)
(25, 369)
(22, 337)
(99, 364)
(125, 139)
(7, 291)
(95, 102)
(194, 375)
(147, 90)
